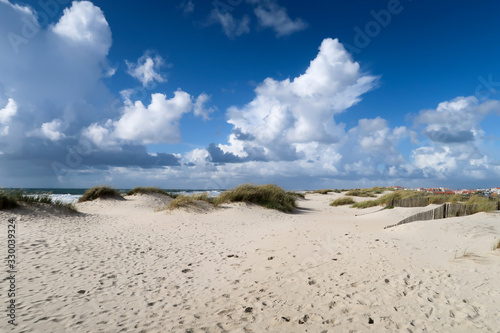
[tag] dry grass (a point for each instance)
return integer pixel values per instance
(496, 246)
(147, 190)
(365, 204)
(324, 191)
(388, 198)
(268, 196)
(97, 192)
(184, 201)
(342, 201)
(360, 193)
(13, 199)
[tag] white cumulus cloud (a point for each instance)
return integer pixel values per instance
(156, 123)
(85, 24)
(6, 115)
(284, 113)
(147, 68)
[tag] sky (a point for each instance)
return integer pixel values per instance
(211, 94)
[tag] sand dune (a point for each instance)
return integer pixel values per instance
(122, 267)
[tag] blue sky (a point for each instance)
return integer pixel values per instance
(192, 94)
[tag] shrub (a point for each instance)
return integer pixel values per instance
(268, 196)
(342, 201)
(99, 192)
(147, 190)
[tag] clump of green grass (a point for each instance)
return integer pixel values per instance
(482, 204)
(268, 196)
(366, 204)
(97, 192)
(147, 190)
(360, 193)
(187, 200)
(12, 199)
(342, 201)
(336, 191)
(324, 191)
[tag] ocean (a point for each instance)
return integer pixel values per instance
(71, 195)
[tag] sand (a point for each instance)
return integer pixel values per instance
(121, 266)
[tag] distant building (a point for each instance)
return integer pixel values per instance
(397, 187)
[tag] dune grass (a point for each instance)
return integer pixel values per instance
(360, 193)
(97, 192)
(147, 190)
(496, 246)
(269, 196)
(342, 201)
(187, 200)
(386, 199)
(12, 199)
(366, 204)
(479, 203)
(324, 191)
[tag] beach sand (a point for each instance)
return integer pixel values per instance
(120, 266)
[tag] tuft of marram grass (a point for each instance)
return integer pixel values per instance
(360, 193)
(97, 192)
(496, 246)
(342, 201)
(147, 190)
(324, 191)
(187, 200)
(12, 199)
(269, 196)
(7, 201)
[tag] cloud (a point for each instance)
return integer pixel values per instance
(271, 15)
(289, 112)
(65, 102)
(51, 130)
(199, 107)
(85, 24)
(6, 115)
(156, 123)
(146, 70)
(455, 134)
(456, 121)
(216, 155)
(231, 26)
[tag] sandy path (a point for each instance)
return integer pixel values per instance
(121, 267)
